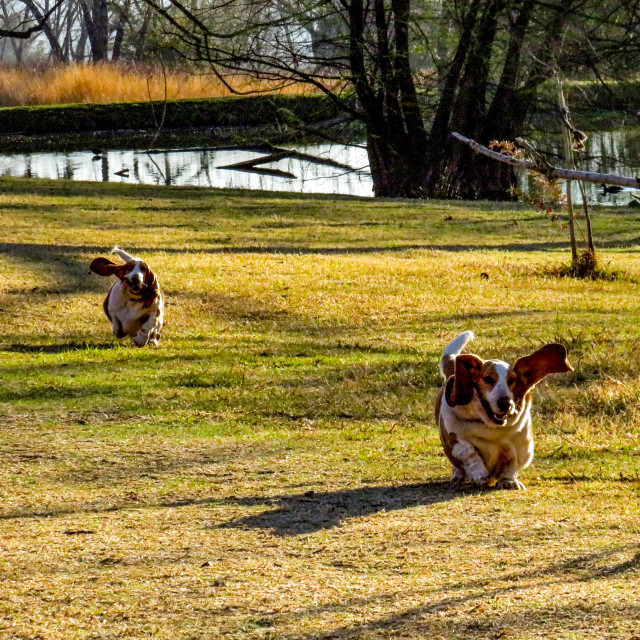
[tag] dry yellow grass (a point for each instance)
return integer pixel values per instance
(272, 470)
(120, 83)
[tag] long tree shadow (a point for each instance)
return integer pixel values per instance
(62, 263)
(31, 251)
(415, 623)
(414, 620)
(299, 514)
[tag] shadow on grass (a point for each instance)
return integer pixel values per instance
(415, 621)
(62, 392)
(297, 514)
(34, 252)
(61, 263)
(550, 621)
(61, 348)
(300, 514)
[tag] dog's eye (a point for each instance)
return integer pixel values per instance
(489, 380)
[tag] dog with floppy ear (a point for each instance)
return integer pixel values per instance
(483, 411)
(135, 302)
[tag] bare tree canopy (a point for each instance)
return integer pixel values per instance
(411, 70)
(39, 26)
(78, 30)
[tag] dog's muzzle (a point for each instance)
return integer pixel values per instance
(135, 282)
(499, 418)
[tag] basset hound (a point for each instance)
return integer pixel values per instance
(135, 302)
(483, 411)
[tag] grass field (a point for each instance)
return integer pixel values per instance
(272, 469)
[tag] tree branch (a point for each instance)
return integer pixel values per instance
(549, 170)
(27, 33)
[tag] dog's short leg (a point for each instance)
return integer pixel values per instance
(145, 333)
(508, 475)
(140, 339)
(457, 477)
(472, 462)
(117, 329)
(154, 336)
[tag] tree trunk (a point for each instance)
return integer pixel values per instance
(119, 34)
(454, 171)
(396, 138)
(141, 36)
(81, 45)
(393, 172)
(96, 20)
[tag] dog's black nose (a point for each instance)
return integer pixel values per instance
(504, 403)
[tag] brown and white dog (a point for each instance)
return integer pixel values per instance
(135, 302)
(483, 411)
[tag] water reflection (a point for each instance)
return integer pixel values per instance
(606, 152)
(201, 168)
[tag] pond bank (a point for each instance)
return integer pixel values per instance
(207, 122)
(160, 124)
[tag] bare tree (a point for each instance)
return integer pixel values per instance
(95, 14)
(487, 62)
(39, 14)
(15, 19)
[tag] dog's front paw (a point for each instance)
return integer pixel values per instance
(140, 339)
(511, 484)
(457, 477)
(480, 479)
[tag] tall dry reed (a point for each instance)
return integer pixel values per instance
(119, 83)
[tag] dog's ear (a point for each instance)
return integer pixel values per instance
(151, 281)
(459, 389)
(105, 267)
(552, 358)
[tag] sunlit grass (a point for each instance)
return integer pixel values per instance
(272, 469)
(81, 83)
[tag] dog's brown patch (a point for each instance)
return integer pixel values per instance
(449, 440)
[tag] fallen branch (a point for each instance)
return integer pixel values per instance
(274, 154)
(549, 170)
(251, 166)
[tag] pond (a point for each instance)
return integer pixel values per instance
(615, 152)
(322, 168)
(348, 174)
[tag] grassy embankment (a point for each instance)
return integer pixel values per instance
(142, 124)
(272, 470)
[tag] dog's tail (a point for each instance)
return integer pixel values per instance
(123, 254)
(448, 359)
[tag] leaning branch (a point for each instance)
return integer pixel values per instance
(549, 170)
(27, 33)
